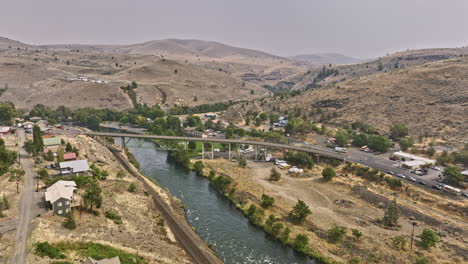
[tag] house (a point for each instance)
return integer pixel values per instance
(114, 260)
(60, 196)
(51, 141)
(69, 156)
(74, 167)
(410, 157)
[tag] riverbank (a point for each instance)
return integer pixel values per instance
(349, 201)
(141, 230)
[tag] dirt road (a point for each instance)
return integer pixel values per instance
(24, 206)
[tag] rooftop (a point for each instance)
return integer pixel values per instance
(75, 165)
(69, 156)
(60, 189)
(413, 157)
(52, 141)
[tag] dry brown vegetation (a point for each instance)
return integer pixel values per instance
(354, 203)
(140, 232)
(430, 99)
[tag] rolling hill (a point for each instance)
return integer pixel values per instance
(431, 99)
(326, 58)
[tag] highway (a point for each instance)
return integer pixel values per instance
(379, 162)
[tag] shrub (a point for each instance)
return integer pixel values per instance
(328, 174)
(399, 242)
(428, 238)
(357, 234)
(336, 233)
(354, 260)
(113, 216)
(300, 242)
(222, 182)
(132, 187)
(299, 212)
(198, 167)
(69, 222)
(121, 174)
(274, 175)
(285, 235)
(44, 249)
(267, 201)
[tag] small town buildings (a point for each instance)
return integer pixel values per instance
(417, 160)
(35, 119)
(60, 196)
(114, 260)
(74, 167)
(69, 156)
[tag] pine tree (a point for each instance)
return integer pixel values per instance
(37, 139)
(391, 214)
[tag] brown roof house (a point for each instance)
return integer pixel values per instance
(114, 260)
(60, 196)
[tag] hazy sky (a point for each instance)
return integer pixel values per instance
(361, 28)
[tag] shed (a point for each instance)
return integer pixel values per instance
(74, 166)
(413, 164)
(69, 156)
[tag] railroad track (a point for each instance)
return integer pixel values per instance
(189, 240)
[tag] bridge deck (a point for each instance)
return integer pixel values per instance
(313, 150)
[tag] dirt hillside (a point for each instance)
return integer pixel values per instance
(431, 98)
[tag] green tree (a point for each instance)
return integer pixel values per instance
(60, 155)
(68, 147)
(229, 133)
(274, 175)
(398, 131)
(428, 238)
(300, 242)
(92, 197)
(299, 212)
(192, 145)
(431, 151)
(43, 174)
(37, 139)
(341, 138)
(391, 214)
(49, 155)
(198, 167)
(69, 222)
(379, 143)
(336, 233)
(406, 143)
(453, 175)
(328, 173)
(285, 235)
(267, 201)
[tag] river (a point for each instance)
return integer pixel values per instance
(213, 216)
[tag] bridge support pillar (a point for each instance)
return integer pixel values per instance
(124, 144)
(317, 159)
(212, 150)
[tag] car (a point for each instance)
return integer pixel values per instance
(465, 194)
(422, 183)
(412, 179)
(437, 186)
(401, 175)
(436, 168)
(391, 172)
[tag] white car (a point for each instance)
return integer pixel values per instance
(436, 168)
(401, 176)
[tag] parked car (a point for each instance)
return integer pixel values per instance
(465, 194)
(437, 186)
(412, 179)
(422, 183)
(401, 176)
(391, 172)
(436, 168)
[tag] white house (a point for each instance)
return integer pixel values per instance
(60, 196)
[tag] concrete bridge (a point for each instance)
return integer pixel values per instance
(170, 142)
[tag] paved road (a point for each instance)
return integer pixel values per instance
(25, 206)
